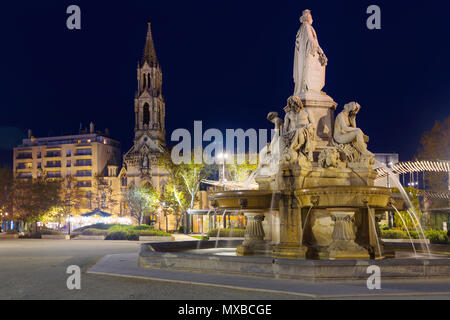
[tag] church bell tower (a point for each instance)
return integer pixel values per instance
(149, 105)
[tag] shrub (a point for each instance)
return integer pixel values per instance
(117, 235)
(153, 233)
(394, 234)
(227, 233)
(437, 236)
(94, 232)
(50, 232)
(36, 235)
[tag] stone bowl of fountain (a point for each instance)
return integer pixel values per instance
(245, 200)
(345, 197)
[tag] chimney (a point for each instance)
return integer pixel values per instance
(91, 127)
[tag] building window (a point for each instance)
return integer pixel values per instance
(69, 163)
(55, 174)
(84, 173)
(84, 152)
(53, 154)
(83, 163)
(25, 155)
(69, 153)
(146, 114)
(124, 181)
(53, 164)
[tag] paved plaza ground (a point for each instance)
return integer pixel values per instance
(36, 269)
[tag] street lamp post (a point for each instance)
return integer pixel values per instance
(223, 156)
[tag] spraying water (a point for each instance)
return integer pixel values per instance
(407, 230)
(306, 221)
(372, 219)
(411, 209)
(220, 227)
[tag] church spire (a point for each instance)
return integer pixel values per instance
(149, 51)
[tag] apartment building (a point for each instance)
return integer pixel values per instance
(82, 156)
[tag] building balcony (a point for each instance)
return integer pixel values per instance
(53, 155)
(80, 175)
(81, 154)
(83, 164)
(52, 166)
(24, 156)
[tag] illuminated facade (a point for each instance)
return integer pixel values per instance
(82, 156)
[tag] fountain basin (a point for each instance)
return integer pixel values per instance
(253, 200)
(345, 197)
(178, 257)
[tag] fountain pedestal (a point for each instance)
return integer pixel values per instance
(344, 245)
(254, 236)
(290, 234)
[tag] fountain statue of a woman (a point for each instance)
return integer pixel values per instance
(310, 60)
(346, 131)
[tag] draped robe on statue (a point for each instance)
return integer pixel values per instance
(309, 70)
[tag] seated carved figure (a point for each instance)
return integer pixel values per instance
(269, 156)
(299, 127)
(346, 131)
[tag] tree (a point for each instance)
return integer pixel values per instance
(141, 201)
(6, 189)
(239, 172)
(71, 199)
(32, 198)
(185, 181)
(407, 220)
(435, 145)
(103, 196)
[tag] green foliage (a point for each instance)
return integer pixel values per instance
(240, 172)
(141, 201)
(201, 237)
(227, 233)
(94, 232)
(405, 217)
(434, 145)
(50, 232)
(102, 196)
(435, 236)
(121, 232)
(121, 235)
(6, 189)
(33, 198)
(394, 234)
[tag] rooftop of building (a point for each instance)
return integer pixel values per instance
(84, 136)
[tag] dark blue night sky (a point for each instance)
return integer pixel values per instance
(227, 63)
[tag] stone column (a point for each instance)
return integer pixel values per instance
(344, 245)
(290, 245)
(254, 235)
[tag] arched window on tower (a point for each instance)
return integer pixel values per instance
(144, 83)
(148, 81)
(146, 114)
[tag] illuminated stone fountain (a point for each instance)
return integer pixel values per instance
(315, 194)
(312, 198)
